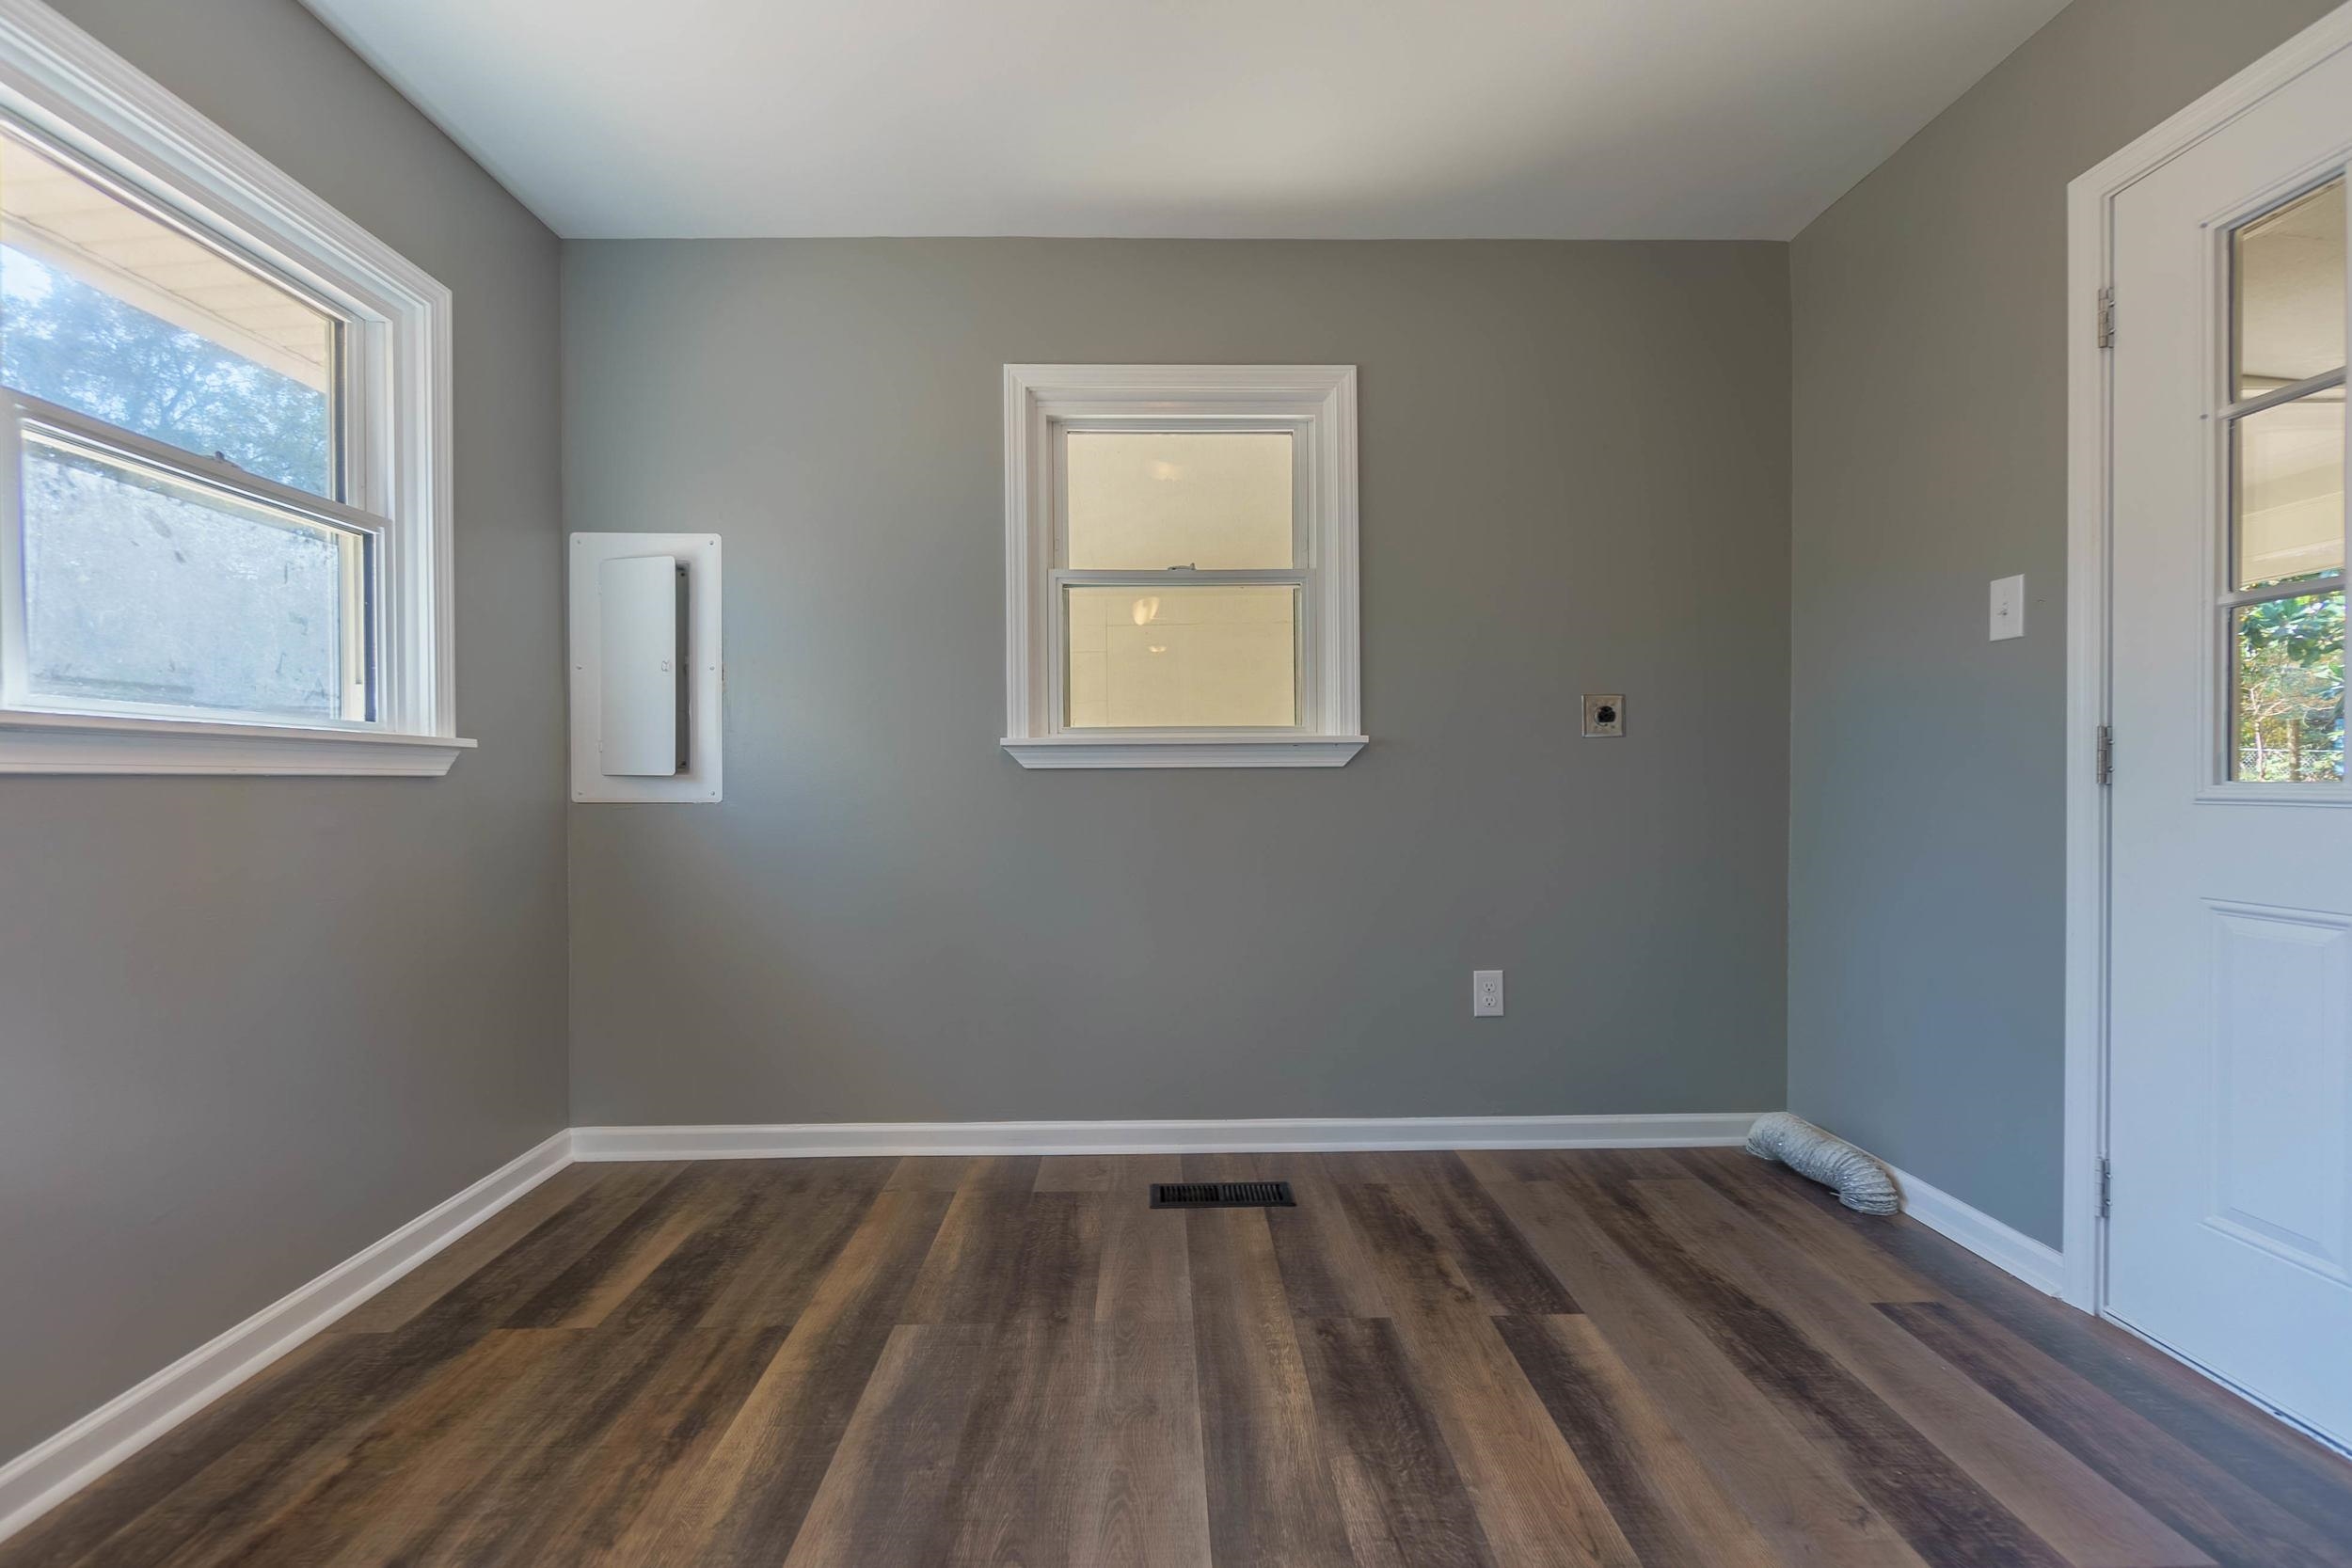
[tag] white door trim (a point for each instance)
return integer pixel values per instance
(2090, 268)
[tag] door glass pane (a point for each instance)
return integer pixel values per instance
(1146, 500)
(1172, 658)
(2288, 679)
(111, 313)
(2288, 482)
(142, 588)
(2288, 291)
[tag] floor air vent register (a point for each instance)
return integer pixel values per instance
(1222, 1194)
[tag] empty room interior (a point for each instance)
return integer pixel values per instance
(1171, 783)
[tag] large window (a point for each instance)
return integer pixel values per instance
(223, 519)
(1181, 574)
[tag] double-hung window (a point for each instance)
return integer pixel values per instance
(1181, 582)
(224, 520)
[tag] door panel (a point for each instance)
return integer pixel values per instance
(2282, 1085)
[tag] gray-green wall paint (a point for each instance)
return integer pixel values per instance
(1926, 830)
(1574, 478)
(252, 1025)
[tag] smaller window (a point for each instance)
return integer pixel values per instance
(1181, 566)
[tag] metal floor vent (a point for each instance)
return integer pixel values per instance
(1222, 1194)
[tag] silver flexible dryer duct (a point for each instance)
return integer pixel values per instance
(1860, 1182)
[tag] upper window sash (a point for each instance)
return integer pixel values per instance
(122, 283)
(1303, 469)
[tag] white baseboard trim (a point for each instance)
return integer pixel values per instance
(48, 1472)
(1283, 1135)
(2037, 1264)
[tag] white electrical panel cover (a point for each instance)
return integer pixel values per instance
(646, 674)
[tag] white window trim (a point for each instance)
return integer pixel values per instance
(1317, 400)
(66, 83)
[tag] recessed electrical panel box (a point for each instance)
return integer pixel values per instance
(646, 674)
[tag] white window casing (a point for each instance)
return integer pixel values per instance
(395, 434)
(1317, 405)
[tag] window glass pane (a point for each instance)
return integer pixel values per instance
(2288, 483)
(1149, 501)
(2289, 284)
(143, 588)
(110, 312)
(2289, 680)
(1168, 658)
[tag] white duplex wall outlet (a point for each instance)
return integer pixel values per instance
(1486, 994)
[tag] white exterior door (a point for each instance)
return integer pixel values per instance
(2230, 1090)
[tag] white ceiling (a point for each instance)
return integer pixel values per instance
(1306, 118)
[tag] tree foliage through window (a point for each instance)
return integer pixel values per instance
(2290, 689)
(66, 342)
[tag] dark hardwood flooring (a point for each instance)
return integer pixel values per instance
(1614, 1357)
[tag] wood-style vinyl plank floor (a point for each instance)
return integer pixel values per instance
(1500, 1360)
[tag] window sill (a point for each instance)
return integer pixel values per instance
(1186, 751)
(34, 741)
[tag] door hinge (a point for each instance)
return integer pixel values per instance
(2106, 754)
(2107, 318)
(2106, 1187)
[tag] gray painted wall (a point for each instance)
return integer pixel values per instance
(1574, 478)
(1926, 889)
(252, 1025)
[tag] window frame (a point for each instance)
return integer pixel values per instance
(392, 412)
(1317, 405)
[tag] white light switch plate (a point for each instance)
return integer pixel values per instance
(2008, 609)
(1486, 994)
